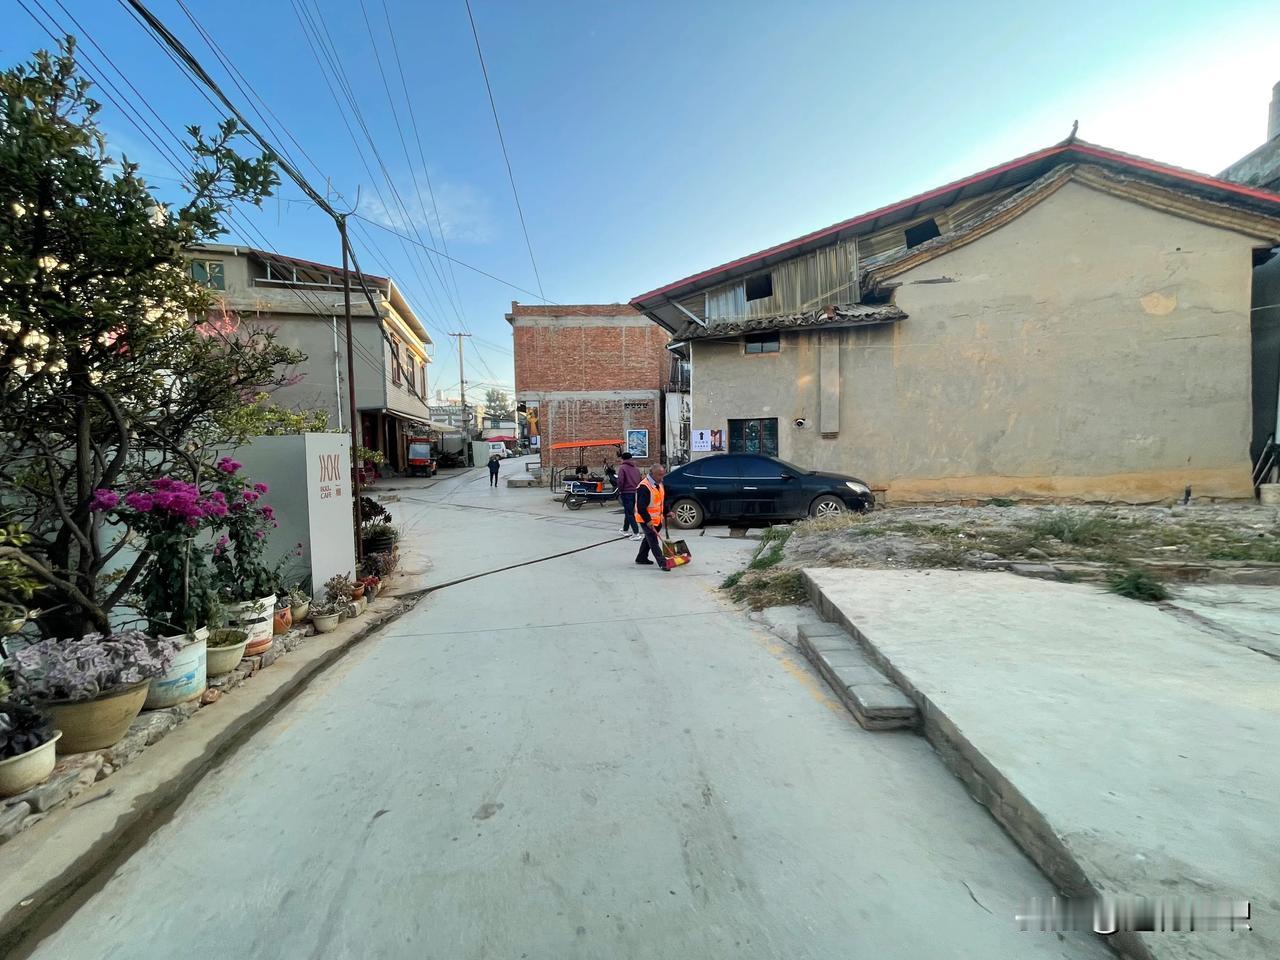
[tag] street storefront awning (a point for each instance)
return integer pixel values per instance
(574, 444)
(502, 439)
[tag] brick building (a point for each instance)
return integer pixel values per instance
(590, 372)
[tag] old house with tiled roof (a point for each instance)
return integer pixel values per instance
(1074, 323)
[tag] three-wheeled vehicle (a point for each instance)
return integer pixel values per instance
(581, 485)
(421, 459)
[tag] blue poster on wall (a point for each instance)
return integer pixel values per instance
(638, 443)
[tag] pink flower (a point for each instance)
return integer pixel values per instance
(142, 502)
(250, 496)
(260, 534)
(227, 465)
(220, 546)
(103, 500)
(261, 487)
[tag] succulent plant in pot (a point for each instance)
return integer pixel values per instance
(27, 740)
(339, 588)
(226, 650)
(327, 615)
(92, 686)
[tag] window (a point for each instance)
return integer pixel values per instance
(209, 273)
(761, 343)
(395, 361)
(757, 468)
(759, 288)
(754, 436)
(921, 232)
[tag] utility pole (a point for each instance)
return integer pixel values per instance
(462, 394)
(351, 386)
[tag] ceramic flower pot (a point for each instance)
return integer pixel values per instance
(254, 617)
(282, 621)
(357, 591)
(98, 723)
(224, 658)
(326, 623)
(300, 611)
(186, 679)
(28, 769)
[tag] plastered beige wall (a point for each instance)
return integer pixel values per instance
(1092, 348)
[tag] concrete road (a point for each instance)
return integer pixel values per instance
(573, 758)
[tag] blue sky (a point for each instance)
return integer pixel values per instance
(651, 140)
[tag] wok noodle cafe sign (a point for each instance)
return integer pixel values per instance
(309, 476)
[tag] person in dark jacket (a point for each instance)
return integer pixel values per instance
(628, 480)
(494, 463)
(650, 514)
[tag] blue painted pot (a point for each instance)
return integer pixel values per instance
(186, 679)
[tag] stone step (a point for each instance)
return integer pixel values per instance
(875, 702)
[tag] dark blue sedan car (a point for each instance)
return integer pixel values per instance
(748, 489)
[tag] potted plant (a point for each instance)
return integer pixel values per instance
(378, 537)
(246, 584)
(299, 603)
(379, 565)
(27, 744)
(226, 650)
(175, 592)
(372, 586)
(92, 686)
(326, 616)
(283, 618)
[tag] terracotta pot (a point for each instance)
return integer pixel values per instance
(282, 621)
(99, 723)
(28, 769)
(357, 592)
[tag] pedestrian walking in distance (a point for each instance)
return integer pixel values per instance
(628, 480)
(493, 470)
(650, 506)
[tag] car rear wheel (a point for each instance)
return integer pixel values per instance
(826, 506)
(686, 514)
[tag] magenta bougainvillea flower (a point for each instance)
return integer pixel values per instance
(104, 500)
(227, 465)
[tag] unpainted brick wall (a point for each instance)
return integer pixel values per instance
(569, 419)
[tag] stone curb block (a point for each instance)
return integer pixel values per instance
(22, 919)
(986, 784)
(867, 693)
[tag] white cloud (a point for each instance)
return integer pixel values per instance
(464, 212)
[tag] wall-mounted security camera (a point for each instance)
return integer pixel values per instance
(801, 423)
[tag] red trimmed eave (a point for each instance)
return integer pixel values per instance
(1077, 146)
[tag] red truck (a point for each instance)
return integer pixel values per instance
(422, 461)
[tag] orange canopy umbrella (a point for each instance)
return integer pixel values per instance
(570, 445)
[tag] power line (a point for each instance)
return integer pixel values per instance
(503, 143)
(461, 263)
(330, 49)
(156, 139)
(193, 65)
(426, 169)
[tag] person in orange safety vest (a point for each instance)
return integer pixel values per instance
(650, 514)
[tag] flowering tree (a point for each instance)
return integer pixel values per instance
(238, 555)
(176, 590)
(110, 373)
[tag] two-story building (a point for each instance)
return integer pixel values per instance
(1074, 323)
(587, 372)
(302, 302)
